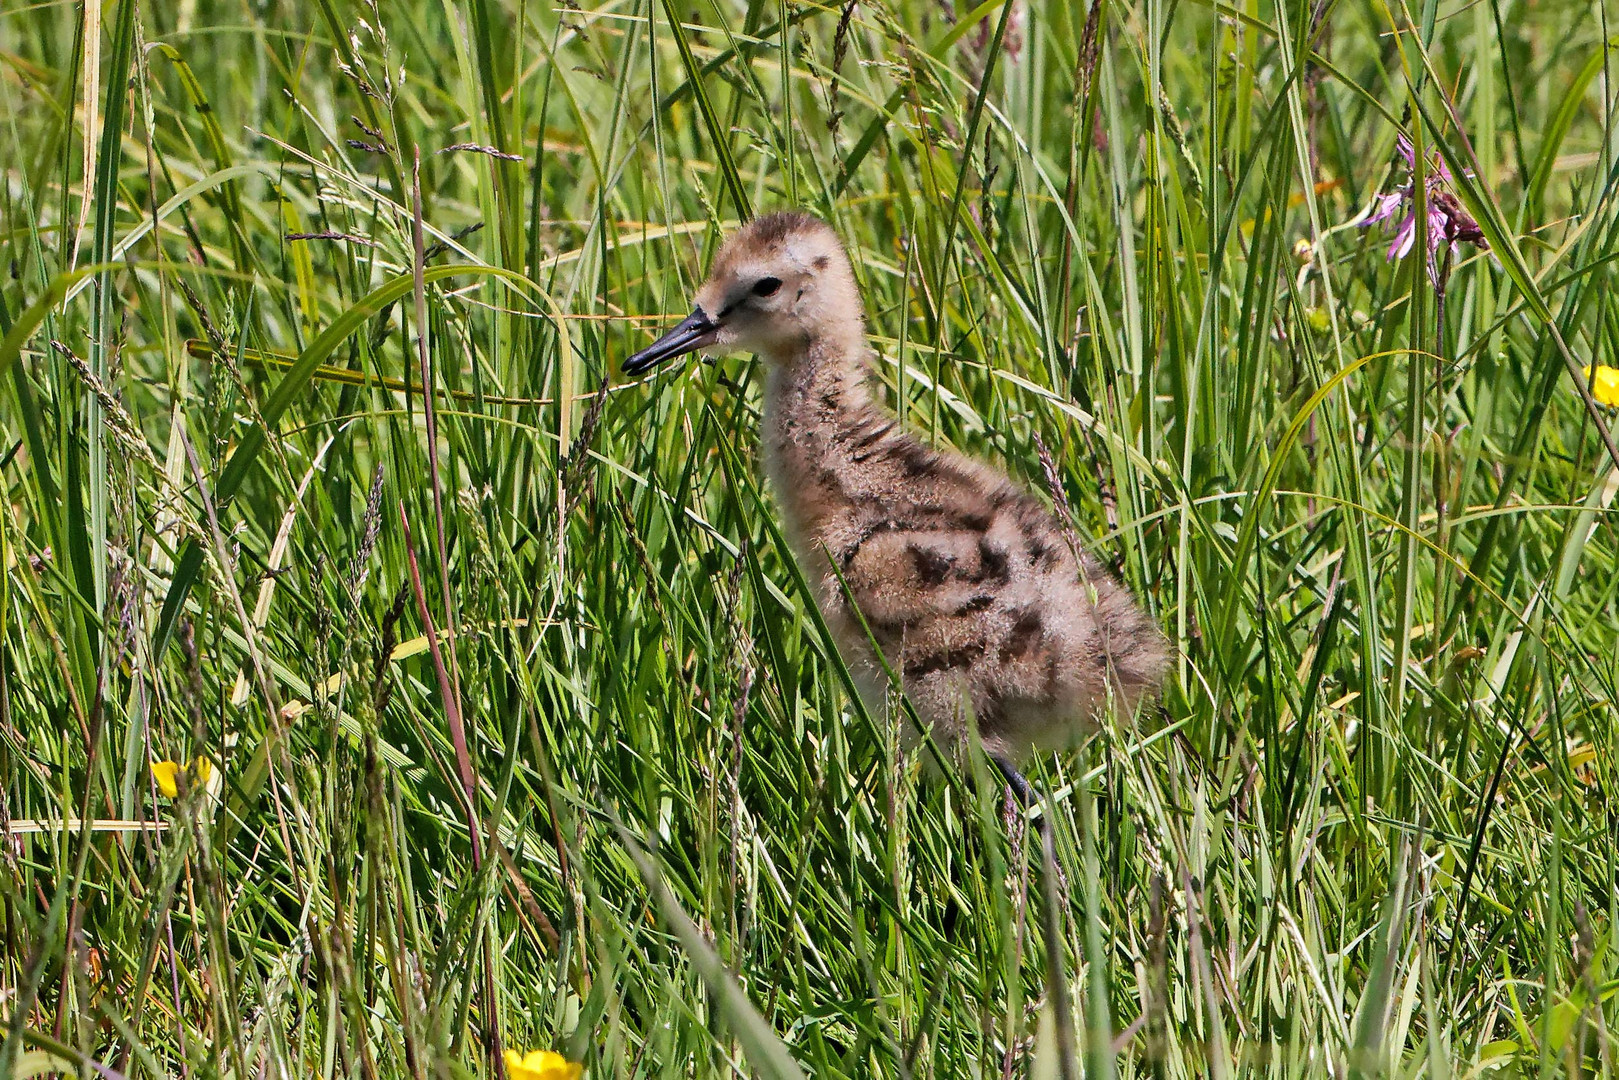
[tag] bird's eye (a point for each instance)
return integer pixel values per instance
(766, 286)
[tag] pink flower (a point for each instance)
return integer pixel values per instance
(1448, 222)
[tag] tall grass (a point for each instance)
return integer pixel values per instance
(277, 399)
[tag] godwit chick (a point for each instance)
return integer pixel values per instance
(964, 579)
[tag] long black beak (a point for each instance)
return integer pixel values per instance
(694, 331)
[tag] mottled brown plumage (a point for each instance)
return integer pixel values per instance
(965, 581)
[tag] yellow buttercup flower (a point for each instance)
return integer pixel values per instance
(1604, 382)
(167, 775)
(541, 1065)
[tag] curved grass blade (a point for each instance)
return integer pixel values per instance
(711, 120)
(765, 1051)
(1250, 522)
(286, 392)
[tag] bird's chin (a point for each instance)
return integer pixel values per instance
(787, 351)
(773, 352)
(725, 345)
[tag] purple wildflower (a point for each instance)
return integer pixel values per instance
(1448, 222)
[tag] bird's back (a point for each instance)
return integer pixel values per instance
(964, 581)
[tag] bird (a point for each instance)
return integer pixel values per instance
(926, 563)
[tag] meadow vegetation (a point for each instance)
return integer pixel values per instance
(522, 730)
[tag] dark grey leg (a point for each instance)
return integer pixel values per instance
(1051, 924)
(1024, 791)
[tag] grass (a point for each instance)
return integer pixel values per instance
(619, 803)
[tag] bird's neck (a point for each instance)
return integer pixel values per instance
(814, 393)
(812, 398)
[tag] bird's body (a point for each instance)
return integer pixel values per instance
(964, 581)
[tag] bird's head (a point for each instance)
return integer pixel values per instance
(778, 284)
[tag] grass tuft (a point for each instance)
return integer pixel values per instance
(526, 733)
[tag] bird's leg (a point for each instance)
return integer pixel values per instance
(1014, 779)
(1051, 924)
(1025, 793)
(1026, 797)
(1015, 806)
